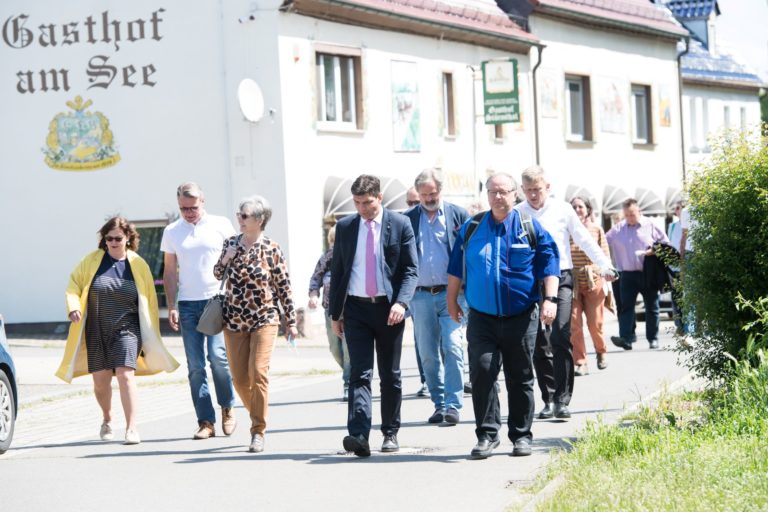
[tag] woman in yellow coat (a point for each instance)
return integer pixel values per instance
(115, 328)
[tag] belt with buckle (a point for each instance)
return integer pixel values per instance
(370, 300)
(434, 290)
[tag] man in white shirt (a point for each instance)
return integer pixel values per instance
(553, 355)
(191, 246)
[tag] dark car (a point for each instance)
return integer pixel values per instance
(9, 397)
(665, 307)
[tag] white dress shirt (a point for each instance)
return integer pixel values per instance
(357, 276)
(562, 223)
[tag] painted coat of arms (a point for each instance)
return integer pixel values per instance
(80, 140)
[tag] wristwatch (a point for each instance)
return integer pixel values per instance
(552, 299)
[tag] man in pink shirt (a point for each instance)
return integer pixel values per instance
(631, 240)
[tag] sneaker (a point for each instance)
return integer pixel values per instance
(390, 444)
(228, 421)
(653, 344)
(257, 443)
(423, 391)
(205, 431)
(581, 370)
(132, 436)
(602, 362)
(451, 416)
(105, 433)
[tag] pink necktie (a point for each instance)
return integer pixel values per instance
(370, 263)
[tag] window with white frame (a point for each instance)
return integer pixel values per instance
(578, 108)
(727, 117)
(339, 102)
(641, 114)
(449, 119)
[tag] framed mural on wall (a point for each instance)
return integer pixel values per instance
(406, 122)
(612, 105)
(549, 92)
(665, 106)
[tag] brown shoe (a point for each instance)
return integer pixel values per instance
(228, 421)
(205, 431)
(602, 362)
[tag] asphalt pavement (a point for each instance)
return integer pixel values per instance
(56, 460)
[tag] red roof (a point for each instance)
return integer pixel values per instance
(640, 13)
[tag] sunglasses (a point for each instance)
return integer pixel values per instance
(113, 238)
(189, 209)
(242, 215)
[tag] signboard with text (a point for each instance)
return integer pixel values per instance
(500, 94)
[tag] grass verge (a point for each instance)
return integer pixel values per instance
(706, 450)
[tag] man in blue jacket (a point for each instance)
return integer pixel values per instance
(438, 337)
(503, 259)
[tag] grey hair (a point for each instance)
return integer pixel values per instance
(428, 175)
(189, 189)
(259, 208)
(534, 173)
(502, 175)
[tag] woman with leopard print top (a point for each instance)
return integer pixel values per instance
(257, 286)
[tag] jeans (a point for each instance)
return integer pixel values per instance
(509, 340)
(338, 348)
(439, 340)
(194, 349)
(632, 283)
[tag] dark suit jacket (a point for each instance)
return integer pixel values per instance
(455, 216)
(399, 264)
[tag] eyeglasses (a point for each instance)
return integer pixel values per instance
(113, 238)
(242, 215)
(500, 192)
(189, 209)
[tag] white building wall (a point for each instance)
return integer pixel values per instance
(704, 118)
(611, 158)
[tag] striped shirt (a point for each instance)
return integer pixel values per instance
(580, 258)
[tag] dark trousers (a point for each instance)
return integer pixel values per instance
(630, 284)
(491, 342)
(553, 357)
(366, 329)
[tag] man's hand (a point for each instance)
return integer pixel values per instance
(396, 314)
(173, 318)
(548, 312)
(76, 316)
(610, 275)
(293, 331)
(338, 327)
(454, 310)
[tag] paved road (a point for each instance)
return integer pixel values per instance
(58, 463)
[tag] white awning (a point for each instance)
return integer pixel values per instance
(612, 199)
(649, 202)
(337, 197)
(577, 190)
(674, 196)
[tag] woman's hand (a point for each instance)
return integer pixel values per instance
(293, 331)
(231, 252)
(76, 316)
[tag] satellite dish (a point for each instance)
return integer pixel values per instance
(251, 100)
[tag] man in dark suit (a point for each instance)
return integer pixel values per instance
(373, 277)
(438, 337)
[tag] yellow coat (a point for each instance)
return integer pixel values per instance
(155, 358)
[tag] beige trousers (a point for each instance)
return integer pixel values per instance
(590, 304)
(249, 355)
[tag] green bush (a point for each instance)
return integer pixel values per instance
(728, 199)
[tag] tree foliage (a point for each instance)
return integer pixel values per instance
(728, 200)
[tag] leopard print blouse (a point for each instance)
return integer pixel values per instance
(257, 279)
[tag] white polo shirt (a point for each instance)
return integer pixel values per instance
(197, 248)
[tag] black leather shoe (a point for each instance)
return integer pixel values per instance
(467, 388)
(547, 412)
(562, 412)
(653, 344)
(437, 416)
(423, 391)
(522, 447)
(621, 342)
(483, 448)
(452, 416)
(390, 444)
(357, 445)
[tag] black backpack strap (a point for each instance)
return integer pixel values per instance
(527, 223)
(471, 228)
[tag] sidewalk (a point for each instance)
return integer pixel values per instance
(307, 423)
